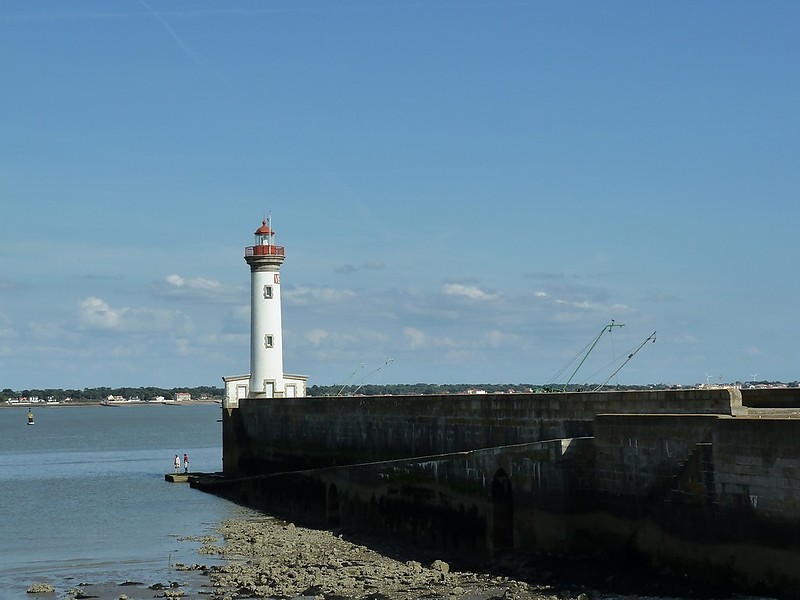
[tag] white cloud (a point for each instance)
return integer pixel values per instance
(128, 350)
(6, 330)
(460, 356)
(199, 289)
(495, 338)
(470, 291)
(316, 336)
(416, 338)
(367, 266)
(303, 296)
(239, 314)
(583, 304)
(215, 340)
(586, 305)
(198, 283)
(96, 313)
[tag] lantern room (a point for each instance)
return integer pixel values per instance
(264, 245)
(264, 234)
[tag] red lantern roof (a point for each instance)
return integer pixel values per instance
(264, 230)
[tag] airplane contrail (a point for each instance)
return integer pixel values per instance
(178, 40)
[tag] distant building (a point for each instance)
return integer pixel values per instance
(182, 397)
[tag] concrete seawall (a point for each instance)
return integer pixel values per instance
(292, 434)
(694, 481)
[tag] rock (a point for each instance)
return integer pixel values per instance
(123, 597)
(41, 587)
(293, 562)
(441, 566)
(415, 566)
(489, 594)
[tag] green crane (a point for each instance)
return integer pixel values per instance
(605, 329)
(649, 338)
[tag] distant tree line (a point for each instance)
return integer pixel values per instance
(424, 389)
(420, 389)
(99, 394)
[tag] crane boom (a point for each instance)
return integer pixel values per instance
(651, 337)
(608, 328)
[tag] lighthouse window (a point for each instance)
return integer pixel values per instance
(267, 292)
(268, 341)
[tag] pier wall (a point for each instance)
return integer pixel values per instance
(714, 497)
(691, 482)
(291, 434)
(724, 466)
(771, 397)
(468, 504)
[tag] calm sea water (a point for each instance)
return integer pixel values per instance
(83, 496)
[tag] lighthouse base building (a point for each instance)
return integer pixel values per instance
(238, 387)
(266, 378)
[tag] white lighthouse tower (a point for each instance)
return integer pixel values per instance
(266, 337)
(266, 378)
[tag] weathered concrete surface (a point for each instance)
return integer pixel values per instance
(718, 497)
(771, 398)
(291, 434)
(692, 482)
(464, 503)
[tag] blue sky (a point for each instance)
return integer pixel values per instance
(470, 189)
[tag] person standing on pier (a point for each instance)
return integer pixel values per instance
(177, 464)
(185, 463)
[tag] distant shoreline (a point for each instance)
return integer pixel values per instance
(107, 404)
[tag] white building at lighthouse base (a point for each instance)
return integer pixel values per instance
(238, 387)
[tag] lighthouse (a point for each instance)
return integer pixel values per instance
(266, 336)
(266, 379)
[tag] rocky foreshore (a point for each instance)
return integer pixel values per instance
(268, 558)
